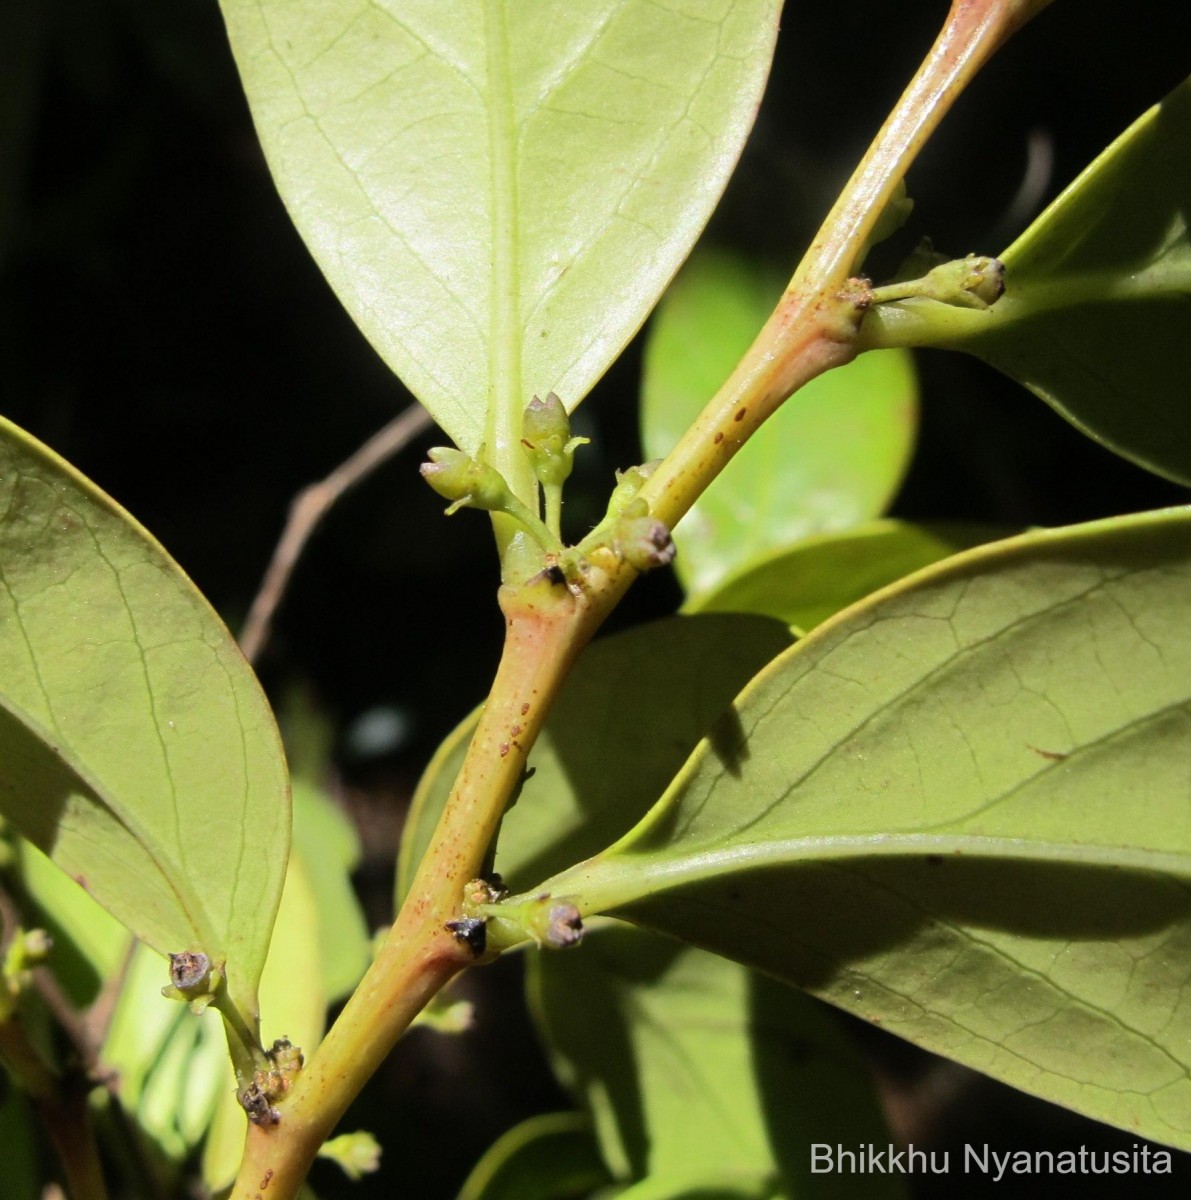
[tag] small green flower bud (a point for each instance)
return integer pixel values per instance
(546, 436)
(645, 543)
(972, 282)
(469, 484)
(628, 484)
(36, 946)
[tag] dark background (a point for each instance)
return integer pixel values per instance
(162, 327)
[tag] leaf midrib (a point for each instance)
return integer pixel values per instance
(502, 425)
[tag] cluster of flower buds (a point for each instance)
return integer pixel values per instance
(628, 530)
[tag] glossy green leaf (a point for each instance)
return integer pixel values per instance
(960, 809)
(136, 747)
(809, 582)
(551, 1157)
(634, 708)
(696, 1069)
(1094, 316)
(830, 458)
(498, 196)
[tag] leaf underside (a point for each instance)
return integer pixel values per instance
(962, 810)
(499, 200)
(1094, 316)
(136, 748)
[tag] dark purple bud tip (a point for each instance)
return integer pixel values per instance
(564, 927)
(189, 970)
(472, 931)
(646, 543)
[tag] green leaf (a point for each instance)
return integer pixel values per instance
(498, 197)
(698, 1071)
(551, 1157)
(809, 582)
(830, 458)
(1094, 316)
(960, 810)
(632, 710)
(326, 842)
(136, 747)
(90, 945)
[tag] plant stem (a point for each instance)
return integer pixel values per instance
(546, 625)
(812, 329)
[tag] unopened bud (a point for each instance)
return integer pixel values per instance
(546, 436)
(645, 543)
(628, 484)
(458, 477)
(973, 282)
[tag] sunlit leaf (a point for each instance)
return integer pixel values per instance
(698, 1070)
(498, 195)
(815, 579)
(552, 1157)
(1094, 317)
(831, 457)
(960, 809)
(90, 945)
(136, 748)
(634, 708)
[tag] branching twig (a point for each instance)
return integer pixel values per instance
(309, 508)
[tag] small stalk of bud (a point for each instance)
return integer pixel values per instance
(471, 483)
(546, 439)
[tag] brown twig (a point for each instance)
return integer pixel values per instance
(308, 509)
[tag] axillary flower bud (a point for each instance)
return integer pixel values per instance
(972, 282)
(628, 483)
(458, 477)
(546, 437)
(645, 543)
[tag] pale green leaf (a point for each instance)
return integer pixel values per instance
(830, 458)
(961, 809)
(136, 747)
(90, 945)
(551, 1157)
(326, 841)
(634, 707)
(498, 193)
(813, 580)
(697, 1069)
(1094, 316)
